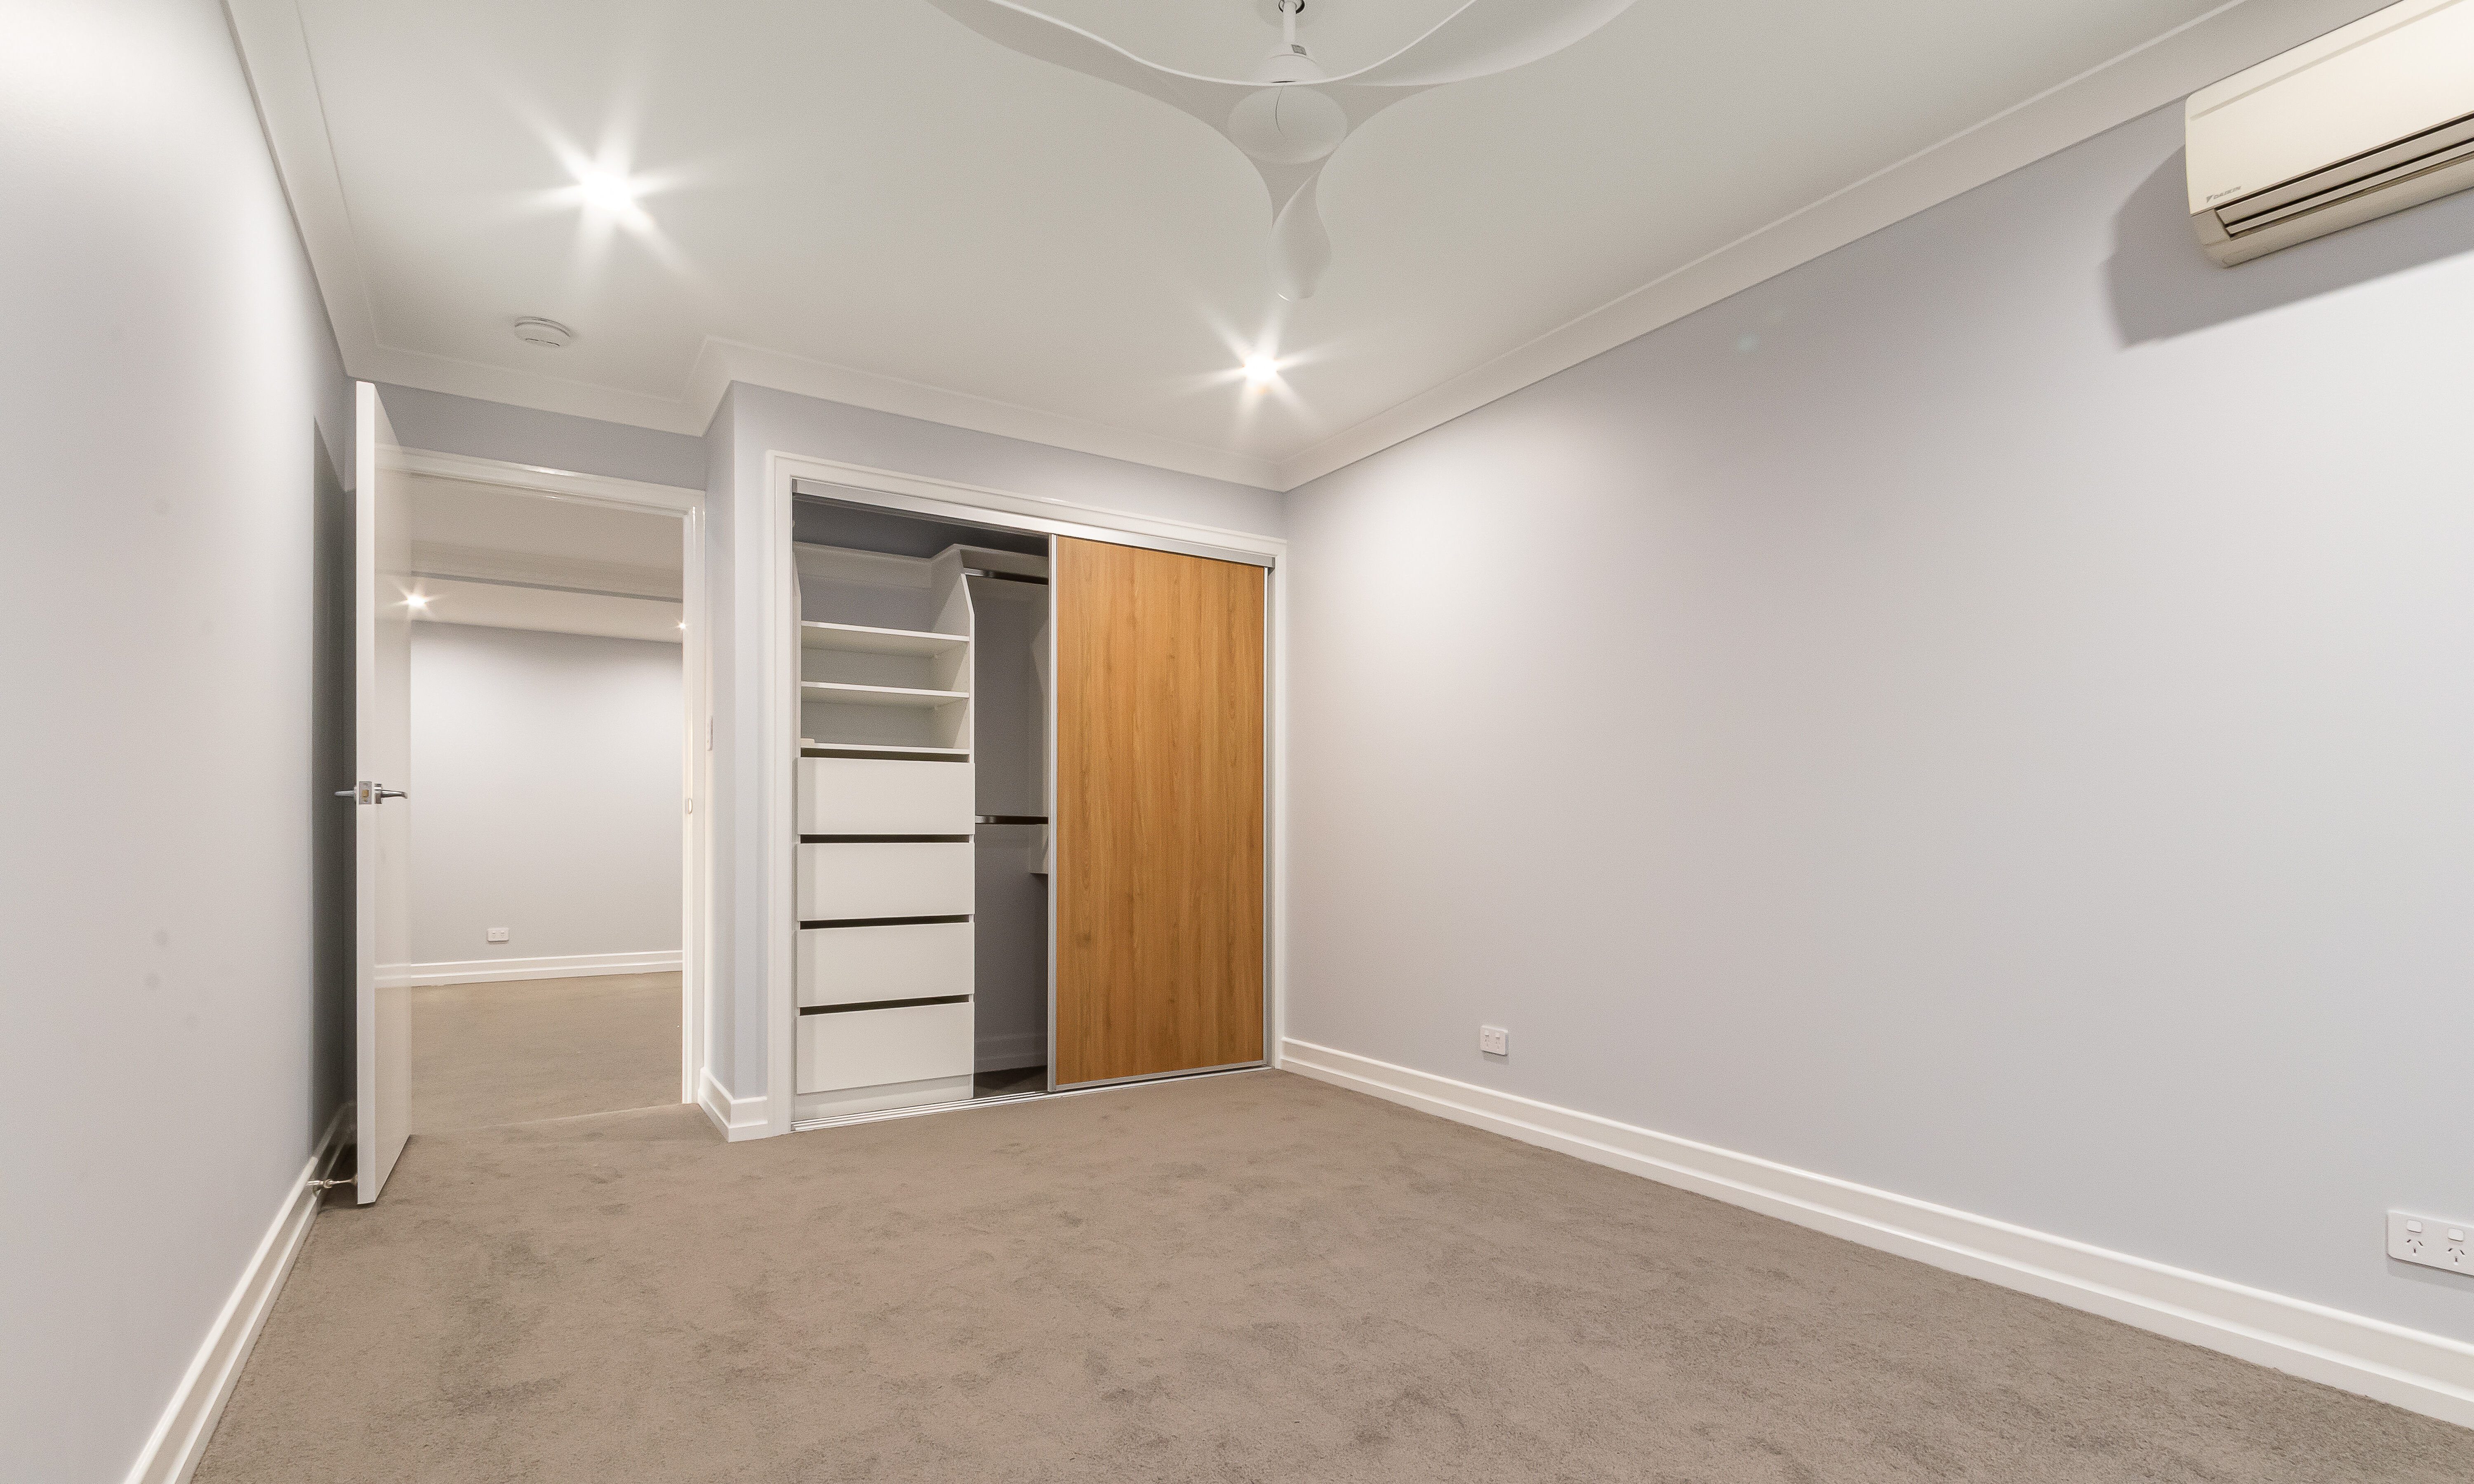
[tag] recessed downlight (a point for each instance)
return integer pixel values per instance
(549, 334)
(610, 192)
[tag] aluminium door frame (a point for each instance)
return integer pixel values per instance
(697, 926)
(904, 493)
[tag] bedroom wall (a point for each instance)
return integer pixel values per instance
(1982, 714)
(176, 430)
(443, 422)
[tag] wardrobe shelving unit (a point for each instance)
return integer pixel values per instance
(885, 821)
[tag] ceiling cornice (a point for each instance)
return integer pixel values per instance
(2233, 35)
(275, 57)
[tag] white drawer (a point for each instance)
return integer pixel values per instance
(880, 880)
(868, 1048)
(878, 796)
(913, 960)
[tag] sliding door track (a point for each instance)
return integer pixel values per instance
(965, 1105)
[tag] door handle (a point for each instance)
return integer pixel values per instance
(368, 792)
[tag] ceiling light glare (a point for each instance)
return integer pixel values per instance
(1261, 371)
(608, 192)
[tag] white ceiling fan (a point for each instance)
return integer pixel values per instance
(1290, 115)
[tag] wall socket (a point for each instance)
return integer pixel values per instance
(2431, 1242)
(1495, 1040)
(497, 935)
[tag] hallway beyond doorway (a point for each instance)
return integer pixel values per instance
(523, 1050)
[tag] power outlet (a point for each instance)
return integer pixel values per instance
(1495, 1040)
(2431, 1242)
(497, 935)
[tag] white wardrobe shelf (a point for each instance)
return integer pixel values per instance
(838, 695)
(856, 639)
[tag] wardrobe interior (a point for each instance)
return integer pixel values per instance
(923, 793)
(1030, 810)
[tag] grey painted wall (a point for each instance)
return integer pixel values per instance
(546, 771)
(753, 421)
(445, 424)
(166, 380)
(1985, 714)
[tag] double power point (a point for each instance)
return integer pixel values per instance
(1495, 1040)
(2431, 1242)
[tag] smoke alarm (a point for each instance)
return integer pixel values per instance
(549, 334)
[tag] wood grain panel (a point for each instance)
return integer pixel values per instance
(1159, 812)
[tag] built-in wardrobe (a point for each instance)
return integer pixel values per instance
(1030, 810)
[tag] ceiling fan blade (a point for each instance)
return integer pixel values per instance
(1021, 29)
(1035, 34)
(1300, 247)
(1482, 36)
(1485, 37)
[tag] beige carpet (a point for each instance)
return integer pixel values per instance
(1253, 1278)
(543, 1048)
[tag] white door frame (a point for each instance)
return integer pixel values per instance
(695, 716)
(778, 657)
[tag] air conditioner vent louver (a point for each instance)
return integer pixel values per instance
(2375, 170)
(2372, 119)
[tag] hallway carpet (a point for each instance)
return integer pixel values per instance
(517, 1050)
(1250, 1278)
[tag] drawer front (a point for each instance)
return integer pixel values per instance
(868, 1048)
(912, 962)
(877, 796)
(879, 880)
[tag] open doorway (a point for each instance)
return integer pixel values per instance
(552, 760)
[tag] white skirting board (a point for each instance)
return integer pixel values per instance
(2422, 1372)
(484, 971)
(178, 1441)
(737, 1118)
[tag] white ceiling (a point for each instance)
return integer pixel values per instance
(867, 201)
(504, 558)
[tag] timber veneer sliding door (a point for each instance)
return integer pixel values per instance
(1159, 812)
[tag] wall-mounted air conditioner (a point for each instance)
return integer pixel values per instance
(2371, 118)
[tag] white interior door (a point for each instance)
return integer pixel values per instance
(382, 585)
